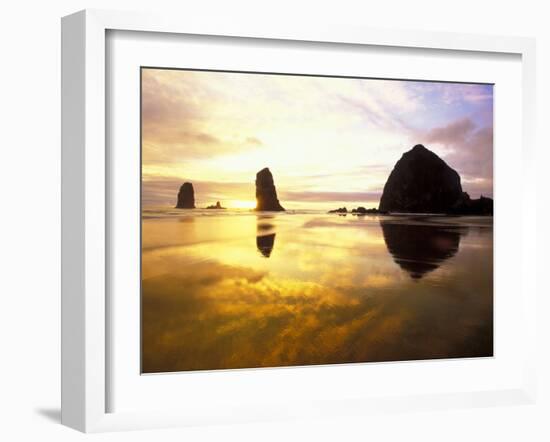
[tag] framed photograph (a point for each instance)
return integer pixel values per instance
(263, 222)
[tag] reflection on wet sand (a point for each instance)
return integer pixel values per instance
(420, 248)
(265, 244)
(329, 293)
(265, 240)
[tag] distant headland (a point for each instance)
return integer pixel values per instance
(420, 182)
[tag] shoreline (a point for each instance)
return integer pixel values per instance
(371, 212)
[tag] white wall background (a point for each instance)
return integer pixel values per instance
(30, 216)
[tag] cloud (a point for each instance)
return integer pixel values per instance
(163, 191)
(315, 132)
(175, 120)
(478, 97)
(384, 104)
(454, 133)
(159, 191)
(469, 150)
(476, 157)
(478, 186)
(331, 196)
(161, 100)
(254, 141)
(455, 93)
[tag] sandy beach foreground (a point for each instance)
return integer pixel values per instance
(235, 289)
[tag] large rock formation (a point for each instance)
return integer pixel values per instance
(266, 195)
(186, 197)
(421, 182)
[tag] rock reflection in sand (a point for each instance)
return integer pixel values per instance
(420, 248)
(265, 236)
(330, 292)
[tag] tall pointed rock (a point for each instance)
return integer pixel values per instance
(186, 197)
(266, 194)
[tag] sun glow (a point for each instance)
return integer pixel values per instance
(241, 204)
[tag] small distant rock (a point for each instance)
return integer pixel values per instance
(216, 206)
(186, 197)
(340, 210)
(362, 211)
(358, 211)
(266, 194)
(468, 206)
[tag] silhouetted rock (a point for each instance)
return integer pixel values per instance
(266, 194)
(420, 248)
(216, 206)
(362, 211)
(467, 206)
(421, 182)
(186, 197)
(340, 210)
(358, 211)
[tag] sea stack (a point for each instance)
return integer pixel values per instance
(186, 197)
(216, 206)
(421, 182)
(266, 194)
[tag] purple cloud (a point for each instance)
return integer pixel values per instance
(451, 134)
(331, 196)
(173, 115)
(469, 152)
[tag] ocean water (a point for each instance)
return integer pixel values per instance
(225, 289)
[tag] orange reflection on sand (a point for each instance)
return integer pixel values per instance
(329, 292)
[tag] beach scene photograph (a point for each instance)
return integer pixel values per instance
(300, 220)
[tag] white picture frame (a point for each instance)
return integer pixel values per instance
(85, 310)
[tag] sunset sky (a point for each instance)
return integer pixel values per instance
(329, 142)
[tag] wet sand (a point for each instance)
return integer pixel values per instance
(236, 289)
